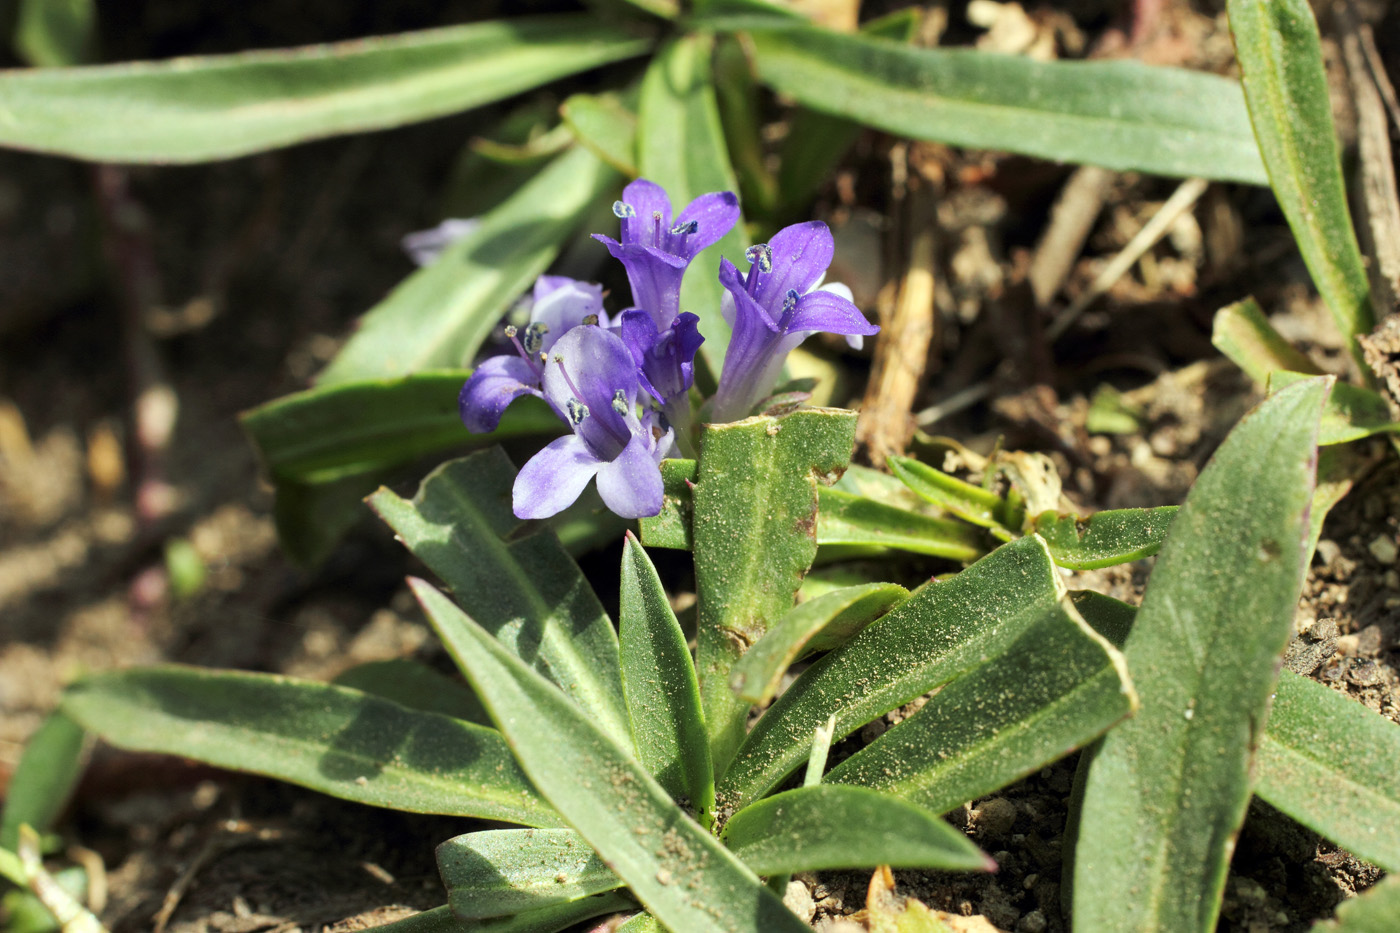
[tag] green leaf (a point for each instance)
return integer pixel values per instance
(678, 870)
(843, 518)
(508, 871)
(215, 107)
(1351, 413)
(681, 147)
(671, 528)
(331, 739)
(1167, 790)
(438, 317)
(55, 33)
(830, 826)
(311, 518)
(1285, 88)
(1104, 539)
(1334, 766)
(944, 629)
(817, 625)
(641, 923)
(1059, 687)
(1122, 115)
(44, 778)
(658, 680)
(1375, 910)
(554, 919)
(970, 503)
(755, 536)
(417, 686)
(334, 430)
(520, 586)
(1244, 334)
(606, 127)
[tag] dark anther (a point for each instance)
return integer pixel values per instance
(622, 210)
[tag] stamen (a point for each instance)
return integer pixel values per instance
(790, 299)
(760, 254)
(534, 337)
(655, 228)
(685, 228)
(619, 403)
(622, 210)
(525, 354)
(577, 411)
(559, 361)
(590, 319)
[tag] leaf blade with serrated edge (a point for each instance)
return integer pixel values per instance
(331, 739)
(1166, 791)
(679, 871)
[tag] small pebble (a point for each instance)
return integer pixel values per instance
(1033, 922)
(1383, 549)
(1365, 673)
(1328, 550)
(799, 900)
(995, 817)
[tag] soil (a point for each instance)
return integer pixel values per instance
(258, 267)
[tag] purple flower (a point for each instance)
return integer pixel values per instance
(665, 359)
(656, 251)
(773, 308)
(560, 304)
(592, 378)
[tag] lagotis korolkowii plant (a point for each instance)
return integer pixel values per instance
(622, 383)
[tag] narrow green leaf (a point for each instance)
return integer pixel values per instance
(1334, 766)
(843, 518)
(641, 923)
(334, 430)
(553, 919)
(417, 686)
(606, 127)
(671, 528)
(1244, 334)
(966, 501)
(437, 920)
(1285, 88)
(1351, 413)
(55, 33)
(520, 586)
(1106, 538)
(817, 625)
(1375, 910)
(1059, 687)
(944, 629)
(1122, 115)
(1167, 790)
(215, 107)
(509, 871)
(1111, 618)
(755, 536)
(831, 826)
(737, 95)
(678, 870)
(658, 680)
(882, 487)
(438, 317)
(331, 739)
(44, 778)
(681, 147)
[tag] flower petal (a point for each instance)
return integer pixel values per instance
(830, 313)
(714, 214)
(646, 198)
(554, 477)
(655, 277)
(801, 254)
(591, 365)
(497, 382)
(631, 484)
(564, 306)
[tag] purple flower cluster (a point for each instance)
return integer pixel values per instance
(623, 384)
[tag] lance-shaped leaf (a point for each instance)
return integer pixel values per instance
(1167, 790)
(943, 630)
(415, 685)
(1106, 538)
(831, 826)
(438, 317)
(678, 870)
(1375, 910)
(1059, 687)
(1334, 766)
(843, 518)
(658, 680)
(520, 586)
(641, 923)
(606, 127)
(1285, 87)
(1352, 412)
(331, 739)
(1244, 334)
(553, 919)
(336, 430)
(1122, 115)
(966, 501)
(509, 871)
(755, 536)
(44, 778)
(819, 624)
(55, 33)
(681, 147)
(214, 107)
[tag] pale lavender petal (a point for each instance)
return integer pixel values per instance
(564, 307)
(497, 382)
(631, 484)
(553, 478)
(713, 214)
(590, 365)
(801, 254)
